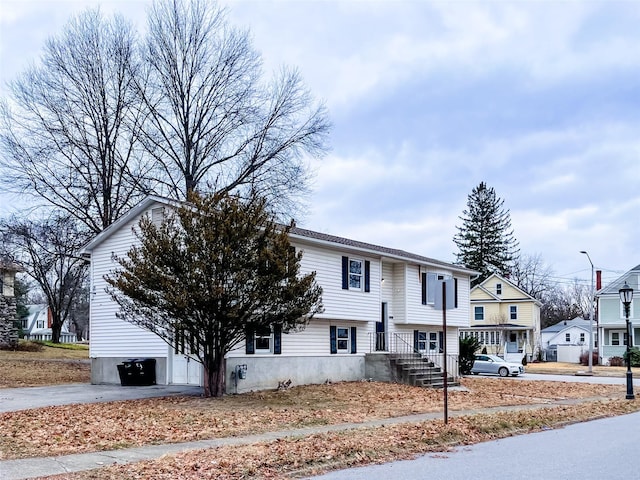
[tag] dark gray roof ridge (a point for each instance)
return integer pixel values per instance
(303, 232)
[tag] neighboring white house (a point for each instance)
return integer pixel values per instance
(612, 321)
(376, 300)
(37, 326)
(567, 340)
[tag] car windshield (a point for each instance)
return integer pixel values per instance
(494, 358)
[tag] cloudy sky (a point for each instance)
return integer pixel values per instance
(539, 99)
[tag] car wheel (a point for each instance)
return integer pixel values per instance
(503, 372)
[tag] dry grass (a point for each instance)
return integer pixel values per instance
(83, 428)
(563, 368)
(79, 352)
(315, 454)
(51, 366)
(95, 427)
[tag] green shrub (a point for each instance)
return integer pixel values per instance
(468, 348)
(634, 354)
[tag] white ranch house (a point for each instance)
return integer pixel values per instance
(377, 301)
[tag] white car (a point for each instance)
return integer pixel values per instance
(496, 365)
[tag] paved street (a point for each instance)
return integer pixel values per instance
(577, 378)
(598, 450)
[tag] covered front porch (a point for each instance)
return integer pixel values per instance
(509, 341)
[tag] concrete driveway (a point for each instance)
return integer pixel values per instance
(12, 399)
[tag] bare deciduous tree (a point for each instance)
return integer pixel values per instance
(48, 251)
(530, 274)
(564, 303)
(212, 121)
(69, 129)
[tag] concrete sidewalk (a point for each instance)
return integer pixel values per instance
(37, 467)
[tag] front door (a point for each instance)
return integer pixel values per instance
(381, 329)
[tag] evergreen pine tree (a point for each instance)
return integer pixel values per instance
(485, 240)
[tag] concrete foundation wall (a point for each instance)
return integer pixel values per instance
(377, 367)
(264, 373)
(105, 370)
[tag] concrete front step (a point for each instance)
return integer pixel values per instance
(419, 371)
(451, 383)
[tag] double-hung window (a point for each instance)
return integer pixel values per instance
(513, 312)
(422, 341)
(264, 340)
(498, 289)
(342, 335)
(567, 337)
(356, 274)
(478, 313)
(342, 339)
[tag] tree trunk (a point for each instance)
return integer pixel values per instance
(56, 328)
(214, 377)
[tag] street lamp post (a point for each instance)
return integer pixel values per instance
(626, 295)
(591, 300)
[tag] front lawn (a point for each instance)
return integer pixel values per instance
(53, 365)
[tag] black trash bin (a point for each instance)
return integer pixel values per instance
(146, 371)
(137, 372)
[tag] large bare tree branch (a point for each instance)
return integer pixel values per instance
(212, 121)
(69, 129)
(47, 248)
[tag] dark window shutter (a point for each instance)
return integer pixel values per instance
(367, 276)
(441, 342)
(354, 348)
(424, 288)
(333, 334)
(415, 341)
(250, 341)
(345, 273)
(455, 293)
(277, 339)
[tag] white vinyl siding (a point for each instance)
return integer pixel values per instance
(426, 314)
(339, 303)
(399, 305)
(110, 336)
(314, 340)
